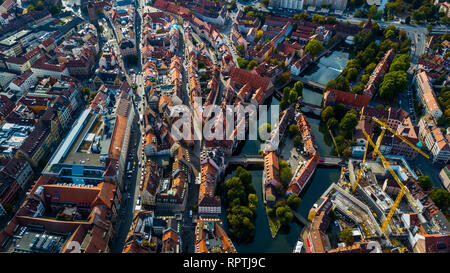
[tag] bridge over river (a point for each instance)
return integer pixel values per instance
(299, 218)
(318, 87)
(244, 160)
(332, 161)
(326, 160)
(310, 108)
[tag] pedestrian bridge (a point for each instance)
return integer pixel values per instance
(312, 84)
(329, 160)
(244, 160)
(310, 108)
(299, 218)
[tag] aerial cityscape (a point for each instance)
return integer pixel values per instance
(224, 126)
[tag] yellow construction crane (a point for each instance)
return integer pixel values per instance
(362, 166)
(403, 189)
(384, 127)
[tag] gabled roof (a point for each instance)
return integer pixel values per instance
(347, 98)
(36, 137)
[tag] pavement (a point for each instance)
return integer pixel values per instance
(290, 154)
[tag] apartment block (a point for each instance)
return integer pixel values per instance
(426, 94)
(435, 141)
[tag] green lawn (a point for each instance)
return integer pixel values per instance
(274, 225)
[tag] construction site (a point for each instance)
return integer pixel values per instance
(368, 200)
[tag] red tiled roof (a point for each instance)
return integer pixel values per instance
(347, 98)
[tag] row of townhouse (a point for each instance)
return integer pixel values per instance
(435, 141)
(426, 94)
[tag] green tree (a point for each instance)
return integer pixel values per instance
(284, 77)
(347, 152)
(314, 47)
(393, 83)
(293, 96)
(340, 83)
(401, 62)
(370, 68)
(242, 63)
(284, 215)
(425, 182)
(349, 122)
(271, 212)
(351, 74)
(240, 50)
(374, 13)
(235, 190)
(441, 198)
(358, 88)
(293, 130)
(285, 174)
(252, 202)
(86, 91)
(241, 225)
(331, 20)
(318, 18)
(54, 10)
(332, 123)
(327, 113)
(246, 179)
(91, 97)
(252, 64)
(294, 201)
(347, 236)
(282, 202)
(298, 87)
(388, 34)
(365, 78)
(265, 127)
(297, 141)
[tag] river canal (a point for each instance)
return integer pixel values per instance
(327, 69)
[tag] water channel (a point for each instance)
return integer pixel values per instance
(327, 69)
